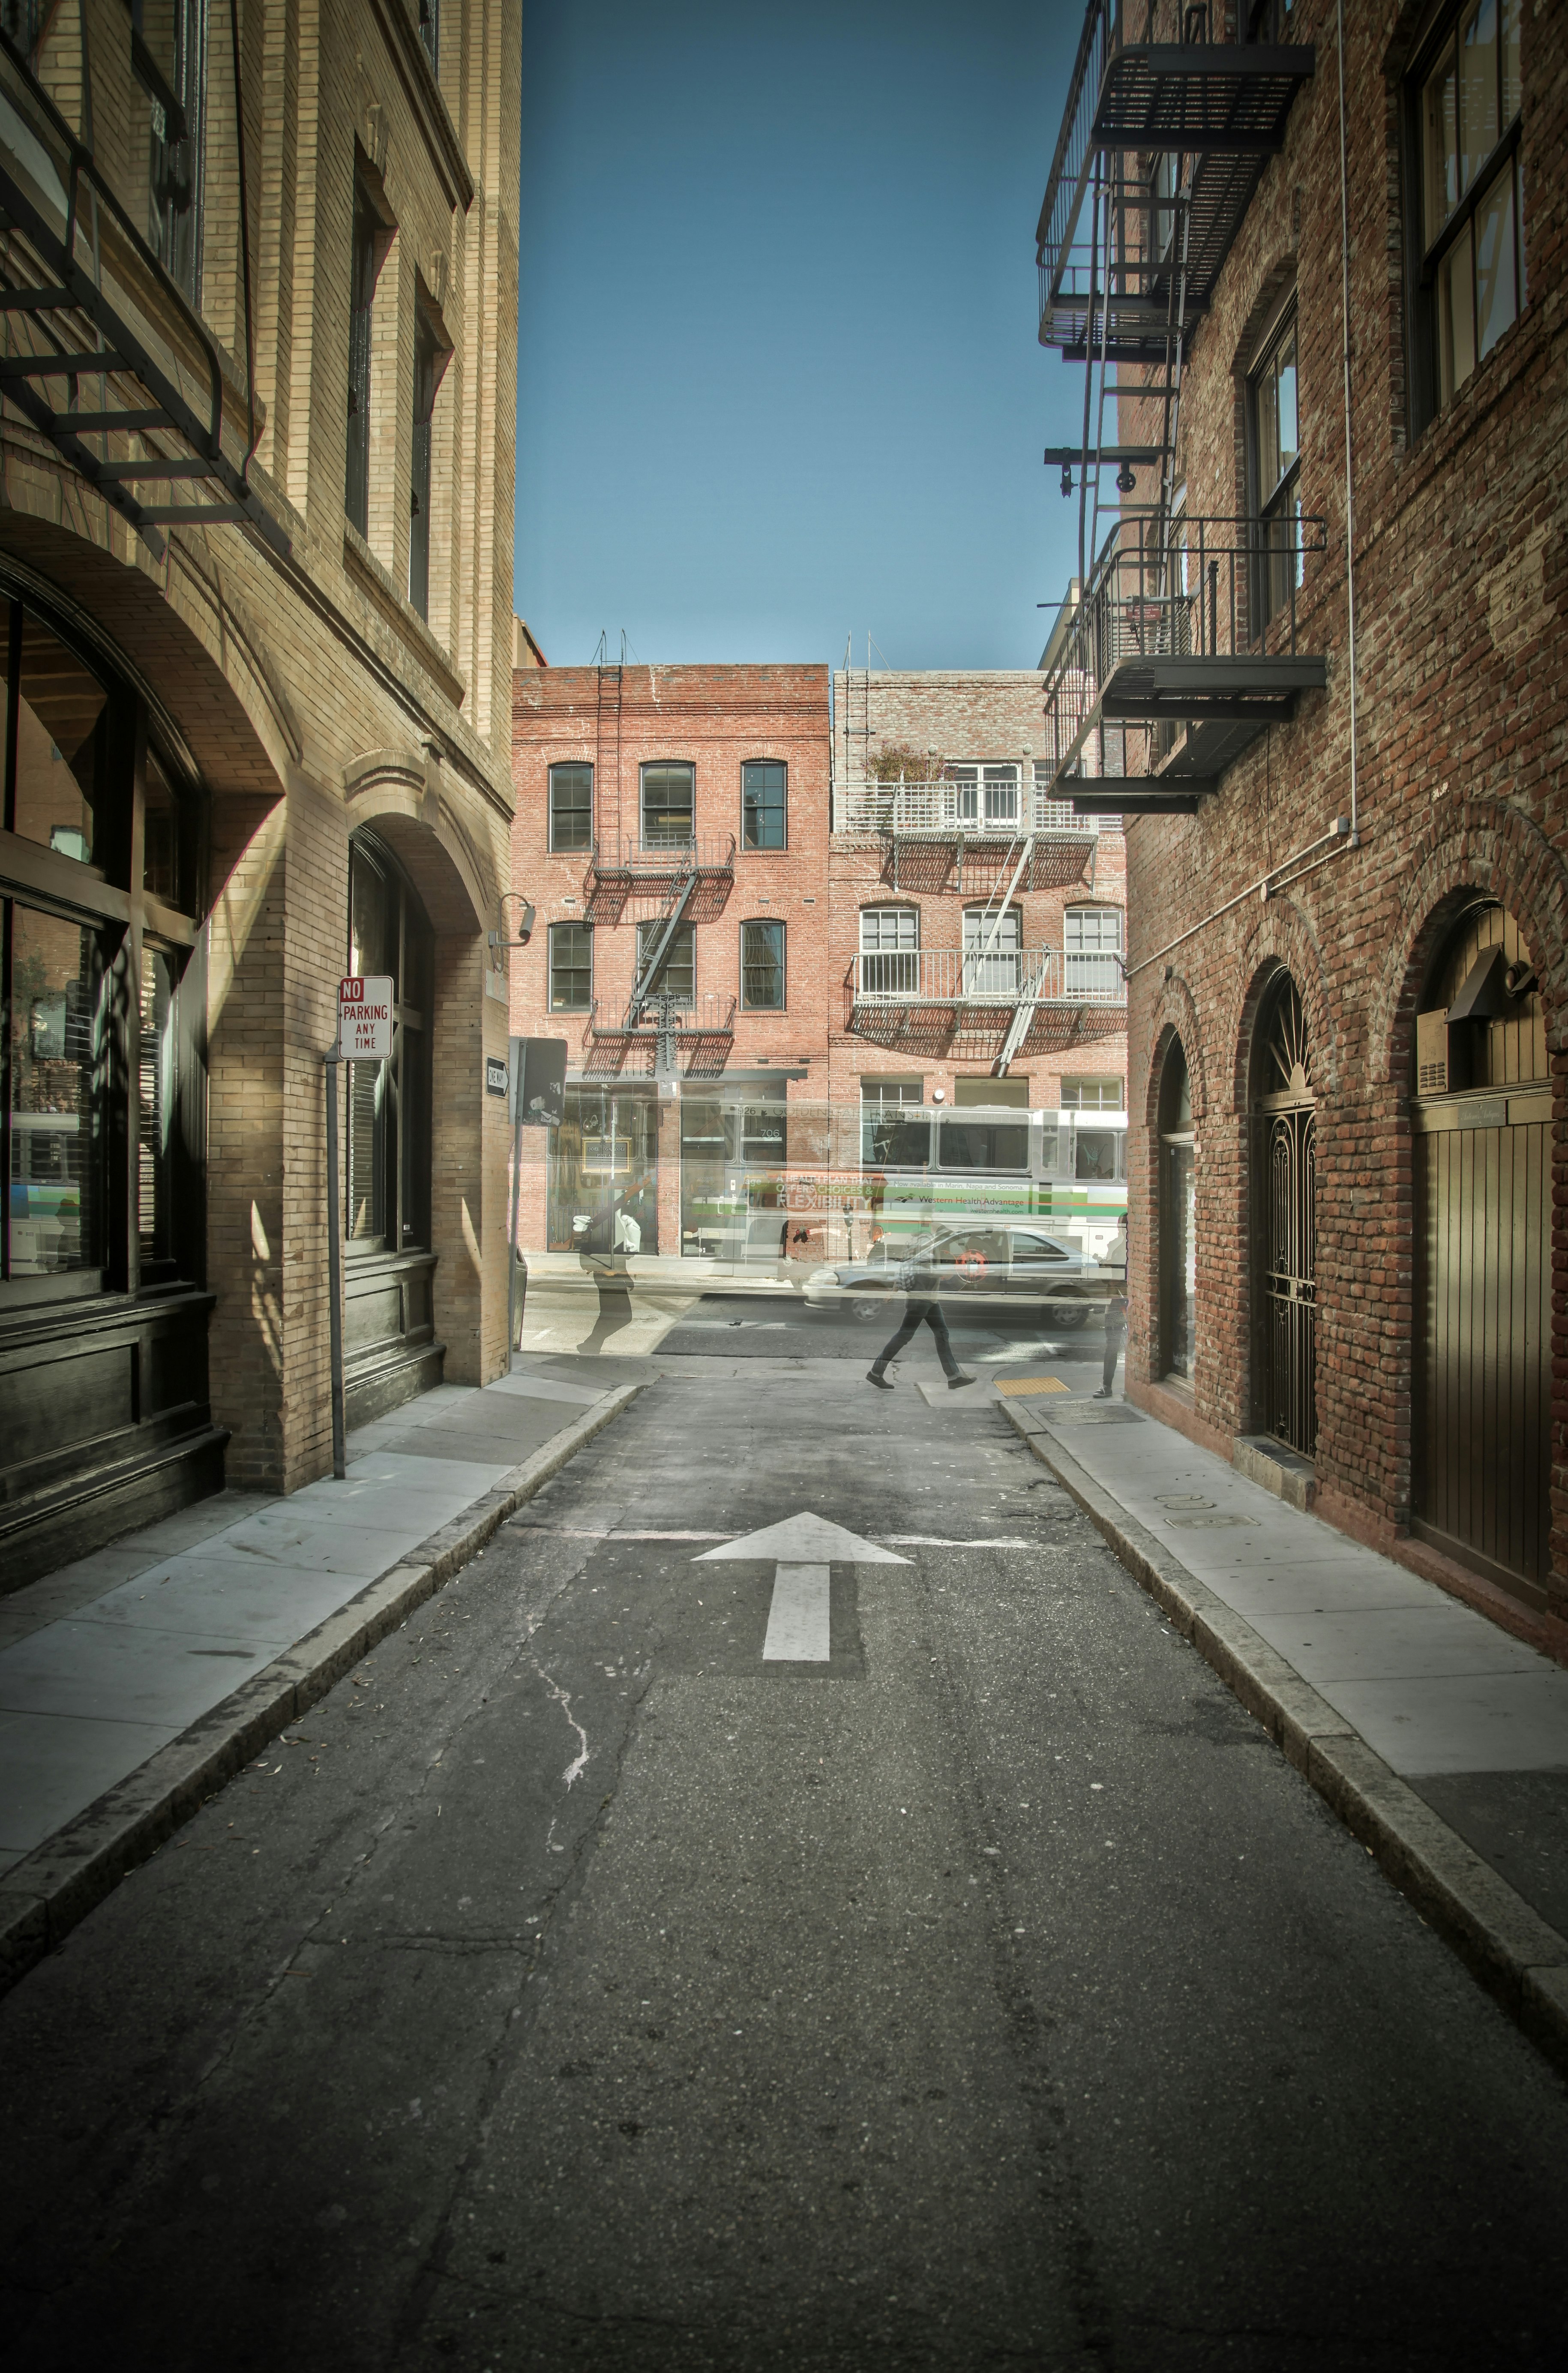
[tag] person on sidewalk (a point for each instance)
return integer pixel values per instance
(922, 1309)
(1116, 1322)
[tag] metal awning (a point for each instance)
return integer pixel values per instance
(104, 354)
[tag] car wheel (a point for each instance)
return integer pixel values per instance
(1069, 1315)
(868, 1305)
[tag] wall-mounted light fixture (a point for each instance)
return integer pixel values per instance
(525, 923)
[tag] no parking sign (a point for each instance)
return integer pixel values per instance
(365, 1018)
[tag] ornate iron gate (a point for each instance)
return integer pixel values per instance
(1289, 1238)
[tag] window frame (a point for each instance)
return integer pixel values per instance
(1273, 587)
(664, 840)
(767, 923)
(897, 946)
(1100, 1080)
(1424, 258)
(431, 356)
(555, 847)
(554, 1005)
(764, 847)
(368, 240)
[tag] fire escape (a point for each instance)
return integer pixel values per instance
(665, 885)
(105, 356)
(1182, 648)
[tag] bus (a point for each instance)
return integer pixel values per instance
(889, 1174)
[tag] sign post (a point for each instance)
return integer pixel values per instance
(364, 1035)
(536, 1091)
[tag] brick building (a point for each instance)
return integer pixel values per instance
(978, 925)
(672, 830)
(255, 550)
(1348, 1029)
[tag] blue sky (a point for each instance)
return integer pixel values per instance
(778, 374)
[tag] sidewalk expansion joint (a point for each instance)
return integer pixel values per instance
(1516, 1955)
(44, 1896)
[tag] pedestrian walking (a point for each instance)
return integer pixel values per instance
(1116, 1324)
(920, 1309)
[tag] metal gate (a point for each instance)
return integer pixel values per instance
(1288, 1168)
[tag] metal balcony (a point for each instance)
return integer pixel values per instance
(1134, 95)
(713, 1016)
(1006, 978)
(940, 809)
(1161, 675)
(105, 356)
(625, 859)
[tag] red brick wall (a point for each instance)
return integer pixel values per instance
(1461, 568)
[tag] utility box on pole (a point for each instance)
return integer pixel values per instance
(537, 1083)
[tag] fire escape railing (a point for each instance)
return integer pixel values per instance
(83, 296)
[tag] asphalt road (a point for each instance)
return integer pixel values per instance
(577, 1988)
(572, 1315)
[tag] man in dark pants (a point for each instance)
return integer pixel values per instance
(920, 1310)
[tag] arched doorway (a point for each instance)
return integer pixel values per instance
(1179, 1242)
(390, 1351)
(1284, 1222)
(1481, 1115)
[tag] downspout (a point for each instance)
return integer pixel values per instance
(1350, 482)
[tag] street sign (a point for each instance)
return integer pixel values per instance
(495, 1076)
(803, 1547)
(365, 1018)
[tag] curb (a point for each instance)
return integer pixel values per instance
(43, 1896)
(1520, 1960)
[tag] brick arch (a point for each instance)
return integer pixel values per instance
(1176, 1016)
(391, 791)
(1482, 846)
(1283, 940)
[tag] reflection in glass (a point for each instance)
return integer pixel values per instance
(55, 1202)
(156, 1109)
(667, 805)
(160, 872)
(62, 745)
(1455, 320)
(386, 1202)
(1494, 248)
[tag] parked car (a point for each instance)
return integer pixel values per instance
(1004, 1271)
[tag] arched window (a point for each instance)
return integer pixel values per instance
(1179, 1242)
(1284, 1203)
(387, 1198)
(1481, 1115)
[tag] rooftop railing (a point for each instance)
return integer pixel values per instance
(1006, 977)
(942, 809)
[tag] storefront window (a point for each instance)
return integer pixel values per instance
(603, 1164)
(60, 722)
(386, 1187)
(55, 1106)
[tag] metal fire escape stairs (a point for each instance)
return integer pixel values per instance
(678, 895)
(1161, 146)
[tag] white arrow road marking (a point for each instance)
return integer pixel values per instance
(802, 1547)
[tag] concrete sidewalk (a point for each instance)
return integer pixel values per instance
(134, 1680)
(1441, 1741)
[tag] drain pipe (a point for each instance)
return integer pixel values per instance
(1350, 485)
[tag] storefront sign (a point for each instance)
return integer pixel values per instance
(365, 1019)
(495, 1076)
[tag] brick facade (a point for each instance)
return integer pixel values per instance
(1460, 572)
(303, 694)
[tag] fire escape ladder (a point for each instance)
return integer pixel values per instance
(677, 898)
(1017, 1031)
(995, 914)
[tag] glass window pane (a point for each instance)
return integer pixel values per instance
(571, 807)
(54, 1190)
(62, 745)
(1093, 927)
(678, 971)
(973, 1145)
(160, 840)
(1004, 931)
(372, 919)
(892, 1144)
(571, 967)
(155, 1107)
(762, 965)
(890, 927)
(1456, 318)
(1285, 405)
(1477, 91)
(1511, 83)
(370, 1125)
(1495, 274)
(667, 799)
(1268, 435)
(1094, 1152)
(1440, 146)
(762, 803)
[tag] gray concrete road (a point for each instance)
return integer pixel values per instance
(575, 1988)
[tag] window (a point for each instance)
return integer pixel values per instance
(667, 794)
(763, 788)
(984, 794)
(571, 807)
(430, 32)
(1469, 284)
(1097, 1154)
(1092, 952)
(995, 974)
(677, 973)
(1276, 440)
(364, 265)
(975, 1145)
(762, 966)
(56, 1108)
(892, 1092)
(1270, 20)
(169, 41)
(890, 945)
(1093, 1095)
(571, 967)
(387, 1182)
(1013, 1092)
(429, 360)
